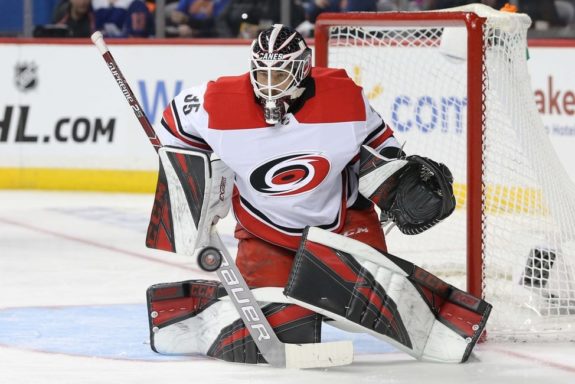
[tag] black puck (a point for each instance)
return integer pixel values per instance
(210, 259)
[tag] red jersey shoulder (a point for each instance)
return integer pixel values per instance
(337, 99)
(318, 72)
(230, 104)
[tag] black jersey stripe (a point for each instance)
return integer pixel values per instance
(375, 133)
(181, 130)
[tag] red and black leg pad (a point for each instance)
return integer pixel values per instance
(181, 305)
(460, 311)
(334, 281)
(291, 323)
(170, 303)
(385, 295)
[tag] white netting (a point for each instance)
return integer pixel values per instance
(416, 77)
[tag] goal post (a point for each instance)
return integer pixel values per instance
(473, 23)
(454, 86)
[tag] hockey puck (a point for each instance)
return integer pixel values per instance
(210, 259)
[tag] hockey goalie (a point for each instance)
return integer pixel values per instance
(303, 159)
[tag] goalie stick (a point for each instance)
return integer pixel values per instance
(98, 40)
(276, 353)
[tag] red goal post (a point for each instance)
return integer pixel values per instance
(454, 85)
(474, 25)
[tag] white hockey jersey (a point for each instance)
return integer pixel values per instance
(300, 172)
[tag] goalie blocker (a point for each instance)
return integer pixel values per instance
(193, 192)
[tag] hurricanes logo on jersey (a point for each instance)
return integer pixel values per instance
(290, 175)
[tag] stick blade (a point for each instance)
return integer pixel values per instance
(319, 355)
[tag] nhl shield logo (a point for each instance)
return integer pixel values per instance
(25, 76)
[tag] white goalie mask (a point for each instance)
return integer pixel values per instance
(281, 61)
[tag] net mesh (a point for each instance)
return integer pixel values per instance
(416, 78)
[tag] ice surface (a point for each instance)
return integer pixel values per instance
(73, 276)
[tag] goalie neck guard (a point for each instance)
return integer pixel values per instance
(281, 61)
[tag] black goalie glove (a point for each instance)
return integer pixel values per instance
(423, 196)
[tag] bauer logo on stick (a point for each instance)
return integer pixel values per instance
(241, 296)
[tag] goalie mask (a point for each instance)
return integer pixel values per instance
(281, 61)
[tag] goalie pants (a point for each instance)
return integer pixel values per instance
(263, 264)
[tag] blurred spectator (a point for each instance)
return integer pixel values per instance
(402, 5)
(140, 20)
(495, 4)
(566, 11)
(197, 18)
(387, 5)
(442, 4)
(123, 18)
(315, 7)
(151, 4)
(543, 13)
(77, 16)
(245, 18)
(359, 5)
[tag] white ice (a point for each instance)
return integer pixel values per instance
(73, 276)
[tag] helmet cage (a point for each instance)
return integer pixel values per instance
(275, 79)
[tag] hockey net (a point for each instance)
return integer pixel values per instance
(454, 86)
